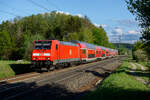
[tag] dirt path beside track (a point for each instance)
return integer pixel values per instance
(135, 74)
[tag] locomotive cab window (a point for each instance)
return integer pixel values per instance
(42, 45)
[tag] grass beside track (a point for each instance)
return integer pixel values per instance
(120, 86)
(12, 68)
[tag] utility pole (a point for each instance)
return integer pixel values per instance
(119, 39)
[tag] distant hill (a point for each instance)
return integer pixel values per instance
(124, 48)
(123, 45)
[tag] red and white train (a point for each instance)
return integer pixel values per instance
(49, 53)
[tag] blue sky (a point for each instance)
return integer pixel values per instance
(113, 15)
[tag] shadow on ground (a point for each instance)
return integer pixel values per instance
(95, 73)
(32, 91)
(117, 94)
(21, 68)
(140, 74)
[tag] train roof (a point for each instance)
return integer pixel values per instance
(88, 45)
(68, 43)
(102, 48)
(83, 44)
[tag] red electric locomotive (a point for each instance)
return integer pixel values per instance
(47, 53)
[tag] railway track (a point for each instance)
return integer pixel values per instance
(16, 87)
(18, 77)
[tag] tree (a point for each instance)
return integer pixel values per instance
(100, 37)
(141, 9)
(28, 44)
(137, 46)
(5, 45)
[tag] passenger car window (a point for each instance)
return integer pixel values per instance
(96, 52)
(83, 51)
(56, 47)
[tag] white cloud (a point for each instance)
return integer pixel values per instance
(103, 25)
(67, 13)
(80, 15)
(62, 12)
(118, 31)
(97, 25)
(126, 22)
(133, 32)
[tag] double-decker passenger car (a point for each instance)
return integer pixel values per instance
(90, 50)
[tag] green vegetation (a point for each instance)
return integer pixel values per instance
(139, 52)
(12, 68)
(121, 85)
(21, 32)
(147, 64)
(140, 8)
(140, 55)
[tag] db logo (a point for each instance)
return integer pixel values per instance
(41, 54)
(70, 52)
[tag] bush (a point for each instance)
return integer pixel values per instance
(148, 64)
(140, 55)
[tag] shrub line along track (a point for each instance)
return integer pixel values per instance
(12, 91)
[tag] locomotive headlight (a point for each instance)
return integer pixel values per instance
(36, 54)
(47, 58)
(34, 58)
(46, 54)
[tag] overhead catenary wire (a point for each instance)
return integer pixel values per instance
(9, 13)
(18, 10)
(31, 1)
(53, 4)
(39, 5)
